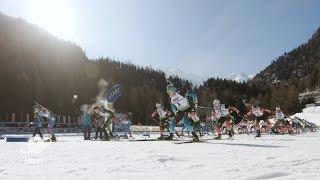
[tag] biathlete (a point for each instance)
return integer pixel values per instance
(181, 107)
(221, 115)
(260, 114)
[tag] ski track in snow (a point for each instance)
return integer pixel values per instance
(247, 158)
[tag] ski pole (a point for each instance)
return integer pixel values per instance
(159, 121)
(203, 107)
(154, 120)
(167, 124)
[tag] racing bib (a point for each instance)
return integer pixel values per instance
(195, 118)
(223, 112)
(257, 112)
(180, 102)
(161, 112)
(279, 115)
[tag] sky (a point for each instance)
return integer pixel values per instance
(211, 38)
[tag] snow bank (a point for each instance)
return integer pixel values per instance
(311, 114)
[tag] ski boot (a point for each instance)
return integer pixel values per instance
(195, 137)
(53, 139)
(273, 131)
(161, 137)
(108, 138)
(258, 133)
(105, 139)
(217, 137)
(230, 133)
(170, 137)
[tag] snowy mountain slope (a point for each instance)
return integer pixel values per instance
(174, 71)
(195, 79)
(310, 94)
(269, 157)
(240, 77)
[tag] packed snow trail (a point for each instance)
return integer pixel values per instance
(271, 156)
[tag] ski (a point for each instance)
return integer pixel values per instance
(137, 140)
(49, 140)
(191, 141)
(201, 140)
(154, 140)
(223, 139)
(113, 139)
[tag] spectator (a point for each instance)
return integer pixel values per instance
(86, 123)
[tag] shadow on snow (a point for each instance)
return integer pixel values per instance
(248, 145)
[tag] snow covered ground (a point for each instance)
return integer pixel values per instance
(272, 156)
(311, 114)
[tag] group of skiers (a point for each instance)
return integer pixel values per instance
(184, 109)
(100, 115)
(103, 119)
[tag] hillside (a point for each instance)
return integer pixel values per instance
(33, 63)
(296, 64)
